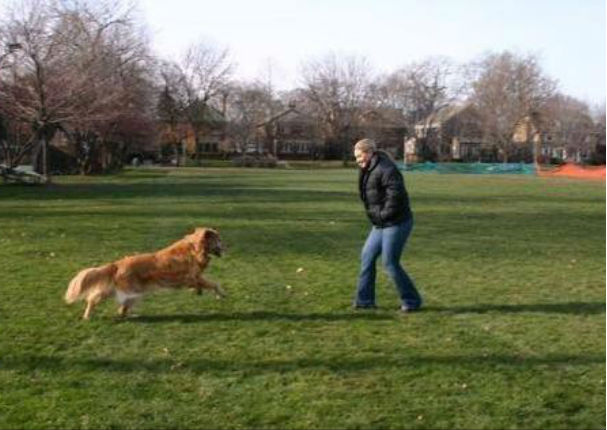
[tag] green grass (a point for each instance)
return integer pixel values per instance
(512, 270)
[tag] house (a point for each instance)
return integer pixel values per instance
(295, 134)
(531, 135)
(205, 137)
(451, 133)
(289, 134)
(387, 126)
(554, 141)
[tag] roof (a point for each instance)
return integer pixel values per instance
(442, 115)
(206, 113)
(385, 117)
(289, 115)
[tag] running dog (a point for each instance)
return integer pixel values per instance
(179, 265)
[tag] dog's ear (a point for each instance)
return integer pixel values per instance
(205, 240)
(211, 232)
(197, 239)
(209, 236)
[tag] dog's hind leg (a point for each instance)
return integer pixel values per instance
(93, 298)
(91, 301)
(90, 304)
(125, 306)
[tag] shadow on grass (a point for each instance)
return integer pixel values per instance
(339, 363)
(253, 188)
(576, 308)
(257, 316)
(572, 308)
(239, 191)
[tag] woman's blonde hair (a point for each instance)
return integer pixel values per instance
(366, 145)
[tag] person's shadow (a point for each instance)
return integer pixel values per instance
(576, 308)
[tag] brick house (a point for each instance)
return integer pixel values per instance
(291, 134)
(452, 133)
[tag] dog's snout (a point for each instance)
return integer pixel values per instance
(218, 249)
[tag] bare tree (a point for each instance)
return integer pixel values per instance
(419, 90)
(79, 69)
(28, 95)
(568, 124)
(111, 58)
(206, 71)
(250, 105)
(508, 88)
(600, 117)
(338, 88)
(171, 107)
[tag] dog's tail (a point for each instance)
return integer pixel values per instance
(99, 278)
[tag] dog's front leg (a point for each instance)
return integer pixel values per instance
(202, 283)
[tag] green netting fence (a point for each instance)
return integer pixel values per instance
(470, 168)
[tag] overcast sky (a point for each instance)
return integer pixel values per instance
(568, 36)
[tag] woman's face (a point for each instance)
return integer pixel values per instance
(362, 158)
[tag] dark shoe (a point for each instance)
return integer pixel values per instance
(361, 307)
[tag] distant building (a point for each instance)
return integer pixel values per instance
(289, 134)
(386, 126)
(552, 141)
(452, 133)
(295, 134)
(455, 133)
(185, 140)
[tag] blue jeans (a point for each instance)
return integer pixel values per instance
(389, 242)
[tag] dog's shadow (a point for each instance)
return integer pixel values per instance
(257, 316)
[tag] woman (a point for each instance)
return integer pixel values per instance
(383, 193)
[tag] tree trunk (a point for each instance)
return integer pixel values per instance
(40, 156)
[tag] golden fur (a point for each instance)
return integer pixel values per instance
(178, 265)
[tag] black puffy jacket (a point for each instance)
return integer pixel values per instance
(383, 192)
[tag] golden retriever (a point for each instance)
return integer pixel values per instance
(179, 265)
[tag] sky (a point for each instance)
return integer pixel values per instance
(567, 36)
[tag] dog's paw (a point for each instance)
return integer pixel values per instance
(220, 293)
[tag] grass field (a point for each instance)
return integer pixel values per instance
(512, 270)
